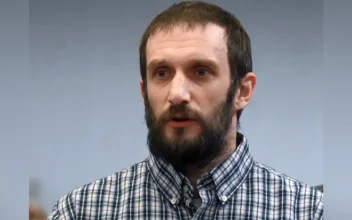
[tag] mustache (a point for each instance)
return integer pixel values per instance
(179, 110)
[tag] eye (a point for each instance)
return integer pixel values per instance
(202, 72)
(161, 73)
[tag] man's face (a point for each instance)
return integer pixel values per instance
(188, 106)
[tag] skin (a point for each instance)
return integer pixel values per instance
(191, 67)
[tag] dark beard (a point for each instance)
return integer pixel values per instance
(198, 152)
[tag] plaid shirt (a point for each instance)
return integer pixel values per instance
(239, 188)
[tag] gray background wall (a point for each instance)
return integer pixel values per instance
(86, 113)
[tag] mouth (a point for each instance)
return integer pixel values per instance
(181, 121)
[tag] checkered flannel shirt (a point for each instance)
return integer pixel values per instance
(239, 188)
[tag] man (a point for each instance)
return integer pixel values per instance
(196, 69)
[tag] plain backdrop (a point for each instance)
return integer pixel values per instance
(86, 113)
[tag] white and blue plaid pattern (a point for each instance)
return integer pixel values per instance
(239, 188)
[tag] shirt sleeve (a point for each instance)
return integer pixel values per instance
(319, 212)
(63, 209)
(54, 215)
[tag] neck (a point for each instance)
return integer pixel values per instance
(194, 173)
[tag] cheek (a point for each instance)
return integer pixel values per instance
(212, 101)
(212, 98)
(156, 101)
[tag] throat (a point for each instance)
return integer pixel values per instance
(194, 172)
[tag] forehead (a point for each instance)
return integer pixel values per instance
(208, 41)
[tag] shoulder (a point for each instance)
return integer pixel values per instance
(289, 191)
(280, 179)
(103, 190)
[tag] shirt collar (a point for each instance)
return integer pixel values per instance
(230, 174)
(226, 177)
(168, 180)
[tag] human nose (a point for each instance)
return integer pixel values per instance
(179, 90)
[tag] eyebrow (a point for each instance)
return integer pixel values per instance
(157, 62)
(211, 63)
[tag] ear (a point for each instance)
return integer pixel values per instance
(245, 91)
(141, 84)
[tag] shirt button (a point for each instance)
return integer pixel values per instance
(173, 201)
(224, 198)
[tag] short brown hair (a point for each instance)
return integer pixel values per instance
(194, 13)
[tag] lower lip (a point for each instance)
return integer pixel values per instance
(181, 124)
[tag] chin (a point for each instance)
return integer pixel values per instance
(185, 136)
